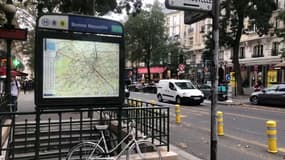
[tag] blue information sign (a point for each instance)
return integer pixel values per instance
(228, 77)
(78, 23)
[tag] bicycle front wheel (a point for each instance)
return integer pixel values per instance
(142, 150)
(85, 151)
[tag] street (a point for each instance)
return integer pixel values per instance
(244, 126)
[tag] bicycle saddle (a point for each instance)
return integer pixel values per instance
(101, 127)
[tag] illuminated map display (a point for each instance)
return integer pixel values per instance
(77, 68)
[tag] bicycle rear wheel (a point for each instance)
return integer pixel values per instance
(143, 150)
(85, 151)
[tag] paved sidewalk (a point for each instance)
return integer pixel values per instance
(237, 100)
(182, 155)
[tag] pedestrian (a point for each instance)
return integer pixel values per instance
(15, 90)
(257, 86)
(25, 86)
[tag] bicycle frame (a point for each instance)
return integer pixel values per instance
(108, 152)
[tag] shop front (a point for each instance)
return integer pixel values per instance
(259, 69)
(156, 73)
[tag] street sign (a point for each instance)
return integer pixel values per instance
(199, 5)
(13, 34)
(181, 67)
(191, 17)
(228, 77)
(78, 23)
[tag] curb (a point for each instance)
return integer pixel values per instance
(225, 103)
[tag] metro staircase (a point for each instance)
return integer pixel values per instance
(53, 142)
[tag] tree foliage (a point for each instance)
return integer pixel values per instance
(90, 7)
(232, 19)
(145, 36)
(86, 7)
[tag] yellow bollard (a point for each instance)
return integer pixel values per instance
(134, 103)
(130, 102)
(152, 102)
(139, 103)
(272, 136)
(178, 114)
(220, 121)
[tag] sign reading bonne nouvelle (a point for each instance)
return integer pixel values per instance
(201, 5)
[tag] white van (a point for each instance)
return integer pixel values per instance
(179, 91)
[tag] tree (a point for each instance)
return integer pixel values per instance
(89, 7)
(145, 35)
(233, 15)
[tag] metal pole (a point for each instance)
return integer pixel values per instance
(9, 12)
(214, 141)
(8, 74)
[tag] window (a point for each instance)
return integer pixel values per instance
(241, 53)
(185, 85)
(275, 49)
(202, 30)
(190, 30)
(251, 27)
(258, 51)
(193, 59)
(191, 42)
(281, 89)
(171, 86)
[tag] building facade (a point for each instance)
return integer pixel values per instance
(257, 57)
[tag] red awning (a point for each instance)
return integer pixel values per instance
(13, 72)
(143, 70)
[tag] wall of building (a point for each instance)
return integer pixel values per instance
(256, 65)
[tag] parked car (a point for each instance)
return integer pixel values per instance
(206, 89)
(136, 87)
(272, 95)
(179, 91)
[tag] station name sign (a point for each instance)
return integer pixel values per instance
(200, 5)
(80, 24)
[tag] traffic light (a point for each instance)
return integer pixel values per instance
(16, 63)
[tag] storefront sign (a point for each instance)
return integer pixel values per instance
(271, 77)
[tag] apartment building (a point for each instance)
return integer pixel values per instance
(191, 38)
(258, 55)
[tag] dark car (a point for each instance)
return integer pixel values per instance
(206, 89)
(136, 87)
(272, 95)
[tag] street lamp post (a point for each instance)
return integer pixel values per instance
(10, 11)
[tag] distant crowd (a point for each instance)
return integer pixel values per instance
(27, 85)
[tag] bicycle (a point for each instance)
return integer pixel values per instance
(136, 149)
